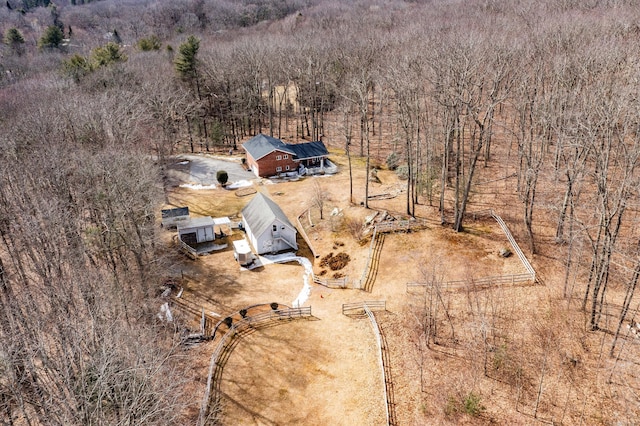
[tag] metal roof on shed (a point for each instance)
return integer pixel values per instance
(221, 221)
(196, 222)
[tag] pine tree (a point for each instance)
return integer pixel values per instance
(52, 38)
(14, 39)
(76, 67)
(108, 54)
(186, 62)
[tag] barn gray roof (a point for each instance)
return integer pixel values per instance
(260, 213)
(196, 222)
(261, 145)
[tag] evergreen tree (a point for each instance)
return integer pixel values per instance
(76, 67)
(52, 38)
(14, 39)
(186, 61)
(108, 54)
(150, 43)
(222, 177)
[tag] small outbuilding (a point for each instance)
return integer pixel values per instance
(268, 228)
(173, 217)
(242, 252)
(197, 230)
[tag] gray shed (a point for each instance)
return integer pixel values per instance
(197, 230)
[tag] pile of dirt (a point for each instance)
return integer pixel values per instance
(335, 263)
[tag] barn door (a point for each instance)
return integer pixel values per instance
(209, 233)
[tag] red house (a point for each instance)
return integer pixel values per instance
(268, 156)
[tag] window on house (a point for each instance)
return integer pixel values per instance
(286, 168)
(278, 169)
(285, 156)
(278, 157)
(275, 228)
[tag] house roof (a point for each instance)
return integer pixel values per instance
(260, 213)
(261, 145)
(309, 150)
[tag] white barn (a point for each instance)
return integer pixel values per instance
(268, 228)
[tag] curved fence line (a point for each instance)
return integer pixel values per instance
(223, 350)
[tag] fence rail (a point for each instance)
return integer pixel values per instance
(515, 246)
(400, 225)
(373, 305)
(366, 266)
(382, 356)
(383, 228)
(331, 282)
(304, 233)
(528, 277)
(228, 341)
(478, 283)
(186, 248)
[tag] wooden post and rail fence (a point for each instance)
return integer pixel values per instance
(228, 341)
(486, 282)
(367, 308)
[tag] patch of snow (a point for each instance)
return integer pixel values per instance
(164, 309)
(308, 271)
(239, 184)
(279, 258)
(306, 288)
(182, 163)
(197, 186)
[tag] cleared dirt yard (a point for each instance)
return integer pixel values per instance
(505, 355)
(325, 370)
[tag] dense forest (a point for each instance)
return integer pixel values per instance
(96, 95)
